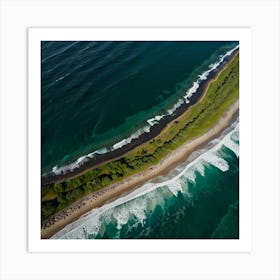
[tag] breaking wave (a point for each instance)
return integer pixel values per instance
(59, 170)
(134, 208)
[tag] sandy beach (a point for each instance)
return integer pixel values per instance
(97, 199)
(100, 159)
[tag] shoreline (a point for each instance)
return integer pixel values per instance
(155, 130)
(174, 158)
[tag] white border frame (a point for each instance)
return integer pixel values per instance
(243, 35)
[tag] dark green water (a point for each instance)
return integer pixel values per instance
(201, 202)
(95, 94)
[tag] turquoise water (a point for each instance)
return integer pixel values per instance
(95, 94)
(200, 201)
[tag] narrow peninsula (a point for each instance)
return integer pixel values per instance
(65, 198)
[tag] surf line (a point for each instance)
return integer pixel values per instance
(95, 200)
(91, 222)
(156, 125)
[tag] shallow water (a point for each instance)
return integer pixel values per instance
(96, 94)
(200, 201)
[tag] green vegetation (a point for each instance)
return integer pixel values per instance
(197, 120)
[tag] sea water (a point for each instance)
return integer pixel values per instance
(199, 199)
(97, 96)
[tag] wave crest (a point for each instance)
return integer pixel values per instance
(151, 122)
(136, 205)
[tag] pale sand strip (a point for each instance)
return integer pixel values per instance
(97, 199)
(167, 126)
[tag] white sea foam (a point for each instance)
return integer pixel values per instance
(152, 121)
(231, 144)
(99, 151)
(136, 204)
(81, 160)
(217, 161)
(122, 216)
(175, 187)
(139, 212)
(128, 140)
(190, 174)
(122, 143)
(200, 167)
(175, 106)
(192, 90)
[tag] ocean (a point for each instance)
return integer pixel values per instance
(98, 95)
(198, 199)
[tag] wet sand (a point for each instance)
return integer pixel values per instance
(97, 199)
